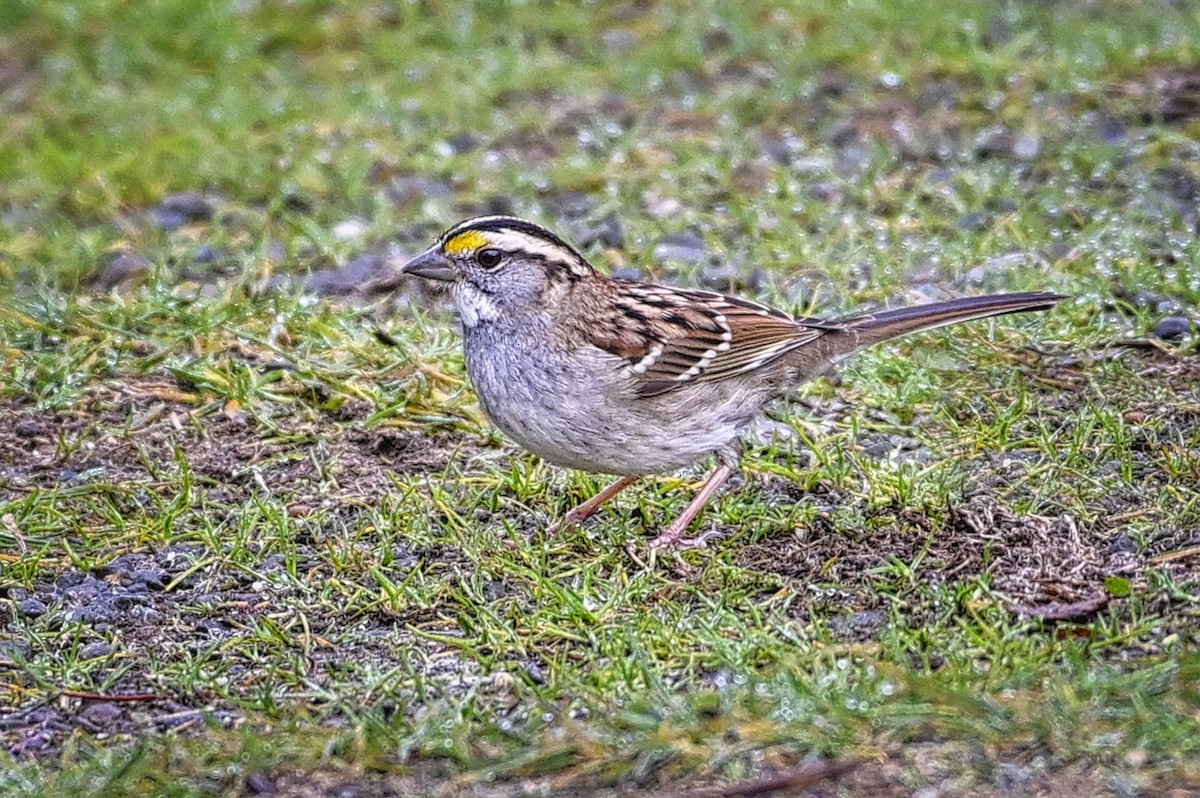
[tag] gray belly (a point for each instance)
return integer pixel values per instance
(555, 409)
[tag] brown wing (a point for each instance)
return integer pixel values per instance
(670, 337)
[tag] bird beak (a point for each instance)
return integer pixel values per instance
(432, 265)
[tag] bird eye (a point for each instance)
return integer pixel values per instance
(489, 258)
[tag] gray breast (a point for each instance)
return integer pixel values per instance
(579, 411)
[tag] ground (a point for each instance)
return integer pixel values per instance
(257, 538)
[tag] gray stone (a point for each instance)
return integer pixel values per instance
(1174, 327)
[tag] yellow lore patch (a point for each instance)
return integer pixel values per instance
(465, 242)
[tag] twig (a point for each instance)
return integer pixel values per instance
(794, 779)
(1172, 556)
(116, 697)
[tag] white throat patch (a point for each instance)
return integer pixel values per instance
(474, 306)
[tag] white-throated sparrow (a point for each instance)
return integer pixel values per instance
(631, 379)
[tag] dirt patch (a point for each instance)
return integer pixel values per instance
(209, 604)
(126, 453)
(939, 768)
(1170, 95)
(1042, 566)
(137, 431)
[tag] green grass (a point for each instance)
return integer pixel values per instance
(343, 577)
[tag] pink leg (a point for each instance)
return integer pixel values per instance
(589, 507)
(671, 536)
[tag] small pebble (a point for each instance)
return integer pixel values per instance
(1147, 299)
(1026, 147)
(763, 431)
(610, 234)
(825, 192)
(206, 254)
(464, 143)
(146, 616)
(858, 626)
(534, 672)
(31, 608)
(628, 273)
(1002, 264)
(349, 230)
(780, 148)
(1174, 327)
(994, 142)
(261, 784)
(191, 206)
(169, 220)
(733, 278)
(297, 203)
(26, 428)
(683, 247)
(1137, 758)
(607, 233)
(663, 207)
(927, 292)
(13, 650)
(617, 39)
(95, 650)
(973, 222)
(1124, 544)
(499, 205)
(1110, 129)
(411, 189)
(100, 714)
(354, 276)
(569, 204)
(122, 269)
(150, 577)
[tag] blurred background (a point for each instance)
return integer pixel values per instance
(820, 151)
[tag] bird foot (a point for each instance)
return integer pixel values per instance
(675, 540)
(572, 518)
(589, 508)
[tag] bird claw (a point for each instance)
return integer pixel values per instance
(667, 541)
(572, 518)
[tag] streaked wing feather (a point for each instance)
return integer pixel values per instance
(752, 357)
(686, 336)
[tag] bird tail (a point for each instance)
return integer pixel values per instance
(875, 327)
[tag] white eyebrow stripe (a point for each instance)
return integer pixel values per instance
(514, 241)
(462, 227)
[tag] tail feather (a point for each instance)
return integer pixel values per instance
(875, 327)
